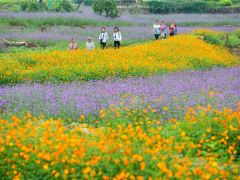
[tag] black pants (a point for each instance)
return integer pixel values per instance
(103, 44)
(156, 36)
(117, 44)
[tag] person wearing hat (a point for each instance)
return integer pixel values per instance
(89, 44)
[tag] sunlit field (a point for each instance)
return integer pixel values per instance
(174, 54)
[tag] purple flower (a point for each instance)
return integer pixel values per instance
(177, 91)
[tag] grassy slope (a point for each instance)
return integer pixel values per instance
(174, 54)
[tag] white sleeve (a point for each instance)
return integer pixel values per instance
(100, 36)
(106, 36)
(120, 36)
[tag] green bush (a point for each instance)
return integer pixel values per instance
(88, 2)
(226, 2)
(64, 6)
(214, 39)
(24, 5)
(230, 39)
(188, 6)
(106, 8)
(233, 41)
(173, 6)
(32, 5)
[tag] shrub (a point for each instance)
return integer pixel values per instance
(88, 2)
(32, 5)
(225, 2)
(233, 41)
(230, 39)
(24, 5)
(64, 6)
(173, 6)
(106, 8)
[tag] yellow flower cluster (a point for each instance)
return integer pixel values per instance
(174, 54)
(204, 145)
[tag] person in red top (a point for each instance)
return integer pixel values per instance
(73, 45)
(172, 29)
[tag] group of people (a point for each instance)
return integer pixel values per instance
(103, 38)
(160, 32)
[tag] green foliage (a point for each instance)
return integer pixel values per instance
(32, 5)
(173, 6)
(188, 6)
(229, 39)
(226, 2)
(58, 21)
(234, 41)
(214, 39)
(64, 6)
(88, 2)
(106, 8)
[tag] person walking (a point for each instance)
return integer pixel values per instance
(175, 30)
(73, 45)
(89, 44)
(117, 37)
(163, 30)
(156, 29)
(172, 29)
(103, 37)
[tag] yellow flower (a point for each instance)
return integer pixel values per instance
(66, 172)
(116, 161)
(93, 173)
(183, 133)
(45, 166)
(140, 178)
(142, 165)
(86, 170)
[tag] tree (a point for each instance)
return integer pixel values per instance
(106, 8)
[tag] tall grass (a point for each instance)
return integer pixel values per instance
(59, 21)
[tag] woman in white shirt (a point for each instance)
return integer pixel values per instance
(103, 37)
(117, 37)
(156, 29)
(90, 44)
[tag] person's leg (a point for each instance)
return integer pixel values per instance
(162, 35)
(115, 44)
(104, 45)
(119, 44)
(156, 36)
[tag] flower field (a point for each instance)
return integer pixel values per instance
(179, 53)
(170, 94)
(202, 145)
(159, 110)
